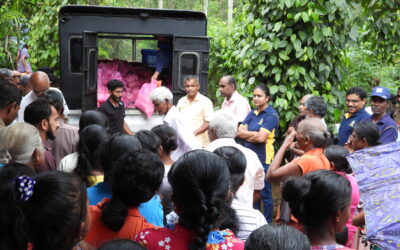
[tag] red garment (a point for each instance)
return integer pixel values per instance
(180, 238)
(99, 233)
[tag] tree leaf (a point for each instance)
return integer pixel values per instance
(273, 89)
(261, 68)
(297, 45)
(317, 37)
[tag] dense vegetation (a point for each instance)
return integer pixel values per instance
(295, 46)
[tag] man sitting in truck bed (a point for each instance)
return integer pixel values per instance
(114, 108)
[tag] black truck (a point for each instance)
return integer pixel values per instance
(88, 34)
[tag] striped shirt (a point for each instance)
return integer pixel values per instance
(249, 219)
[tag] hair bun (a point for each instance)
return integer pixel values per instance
(5, 156)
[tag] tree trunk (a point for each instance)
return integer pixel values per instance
(160, 4)
(230, 12)
(205, 6)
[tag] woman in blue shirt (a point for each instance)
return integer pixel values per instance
(258, 132)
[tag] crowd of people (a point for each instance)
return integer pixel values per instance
(201, 180)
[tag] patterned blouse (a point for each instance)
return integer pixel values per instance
(177, 237)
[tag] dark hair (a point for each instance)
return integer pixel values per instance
(136, 178)
(357, 91)
(117, 146)
(51, 218)
(9, 94)
(191, 77)
(200, 184)
(168, 137)
(236, 162)
(121, 244)
(277, 236)
(24, 81)
(113, 84)
(336, 154)
(149, 140)
(37, 111)
(316, 196)
(93, 117)
(55, 99)
(13, 235)
(317, 105)
(368, 131)
(5, 73)
(91, 140)
(264, 89)
(56, 210)
(231, 80)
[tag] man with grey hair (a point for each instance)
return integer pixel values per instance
(24, 84)
(316, 108)
(222, 131)
(5, 75)
(163, 103)
(312, 138)
(196, 109)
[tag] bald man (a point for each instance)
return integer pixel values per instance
(40, 83)
(311, 137)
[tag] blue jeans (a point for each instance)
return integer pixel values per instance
(266, 198)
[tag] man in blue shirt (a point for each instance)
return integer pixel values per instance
(355, 101)
(388, 129)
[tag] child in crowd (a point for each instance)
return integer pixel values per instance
(336, 156)
(135, 179)
(200, 185)
(47, 211)
(320, 200)
(249, 219)
(169, 143)
(277, 237)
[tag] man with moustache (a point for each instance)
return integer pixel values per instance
(380, 98)
(355, 101)
(196, 109)
(114, 108)
(43, 116)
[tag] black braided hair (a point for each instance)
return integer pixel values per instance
(200, 184)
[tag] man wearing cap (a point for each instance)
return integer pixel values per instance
(379, 104)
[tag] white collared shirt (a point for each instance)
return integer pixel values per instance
(196, 113)
(254, 175)
(31, 97)
(187, 141)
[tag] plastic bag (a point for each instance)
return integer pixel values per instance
(143, 101)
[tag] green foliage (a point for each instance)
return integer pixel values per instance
(294, 46)
(364, 70)
(380, 28)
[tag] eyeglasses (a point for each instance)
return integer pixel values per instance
(352, 101)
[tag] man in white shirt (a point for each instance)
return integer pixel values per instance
(222, 131)
(187, 141)
(40, 83)
(233, 101)
(196, 109)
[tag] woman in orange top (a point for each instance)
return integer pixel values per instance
(136, 178)
(311, 138)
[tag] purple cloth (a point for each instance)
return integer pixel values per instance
(377, 170)
(21, 68)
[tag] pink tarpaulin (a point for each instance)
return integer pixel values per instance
(133, 75)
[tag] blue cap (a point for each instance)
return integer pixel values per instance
(381, 92)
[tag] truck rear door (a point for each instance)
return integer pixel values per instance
(190, 58)
(89, 73)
